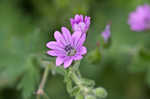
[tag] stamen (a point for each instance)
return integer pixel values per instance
(70, 50)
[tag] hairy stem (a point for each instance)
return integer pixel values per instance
(77, 80)
(40, 90)
(75, 84)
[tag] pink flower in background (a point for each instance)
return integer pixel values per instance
(139, 20)
(106, 33)
(67, 47)
(79, 23)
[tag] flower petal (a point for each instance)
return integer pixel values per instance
(81, 40)
(77, 57)
(59, 61)
(87, 20)
(138, 19)
(77, 18)
(75, 38)
(106, 33)
(66, 34)
(76, 27)
(81, 18)
(58, 36)
(81, 50)
(56, 53)
(67, 62)
(82, 26)
(72, 21)
(52, 53)
(54, 45)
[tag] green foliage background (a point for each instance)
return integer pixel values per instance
(26, 26)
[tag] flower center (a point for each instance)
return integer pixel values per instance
(70, 50)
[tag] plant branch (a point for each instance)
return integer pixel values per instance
(40, 90)
(82, 87)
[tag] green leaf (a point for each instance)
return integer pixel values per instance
(10, 69)
(94, 56)
(138, 63)
(30, 79)
(148, 76)
(145, 54)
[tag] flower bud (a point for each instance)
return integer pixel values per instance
(106, 34)
(90, 97)
(100, 92)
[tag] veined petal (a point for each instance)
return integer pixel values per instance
(52, 53)
(81, 27)
(79, 23)
(75, 38)
(56, 53)
(54, 45)
(59, 38)
(85, 19)
(81, 40)
(72, 21)
(77, 18)
(81, 50)
(67, 62)
(81, 18)
(87, 22)
(59, 60)
(77, 57)
(66, 34)
(76, 27)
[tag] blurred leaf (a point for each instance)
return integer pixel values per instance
(28, 83)
(79, 96)
(88, 82)
(94, 56)
(139, 63)
(60, 70)
(145, 54)
(148, 76)
(75, 91)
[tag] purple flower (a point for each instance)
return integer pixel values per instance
(80, 24)
(139, 20)
(106, 33)
(67, 47)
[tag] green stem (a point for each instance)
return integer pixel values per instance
(77, 80)
(40, 90)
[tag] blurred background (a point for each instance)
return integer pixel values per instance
(26, 26)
